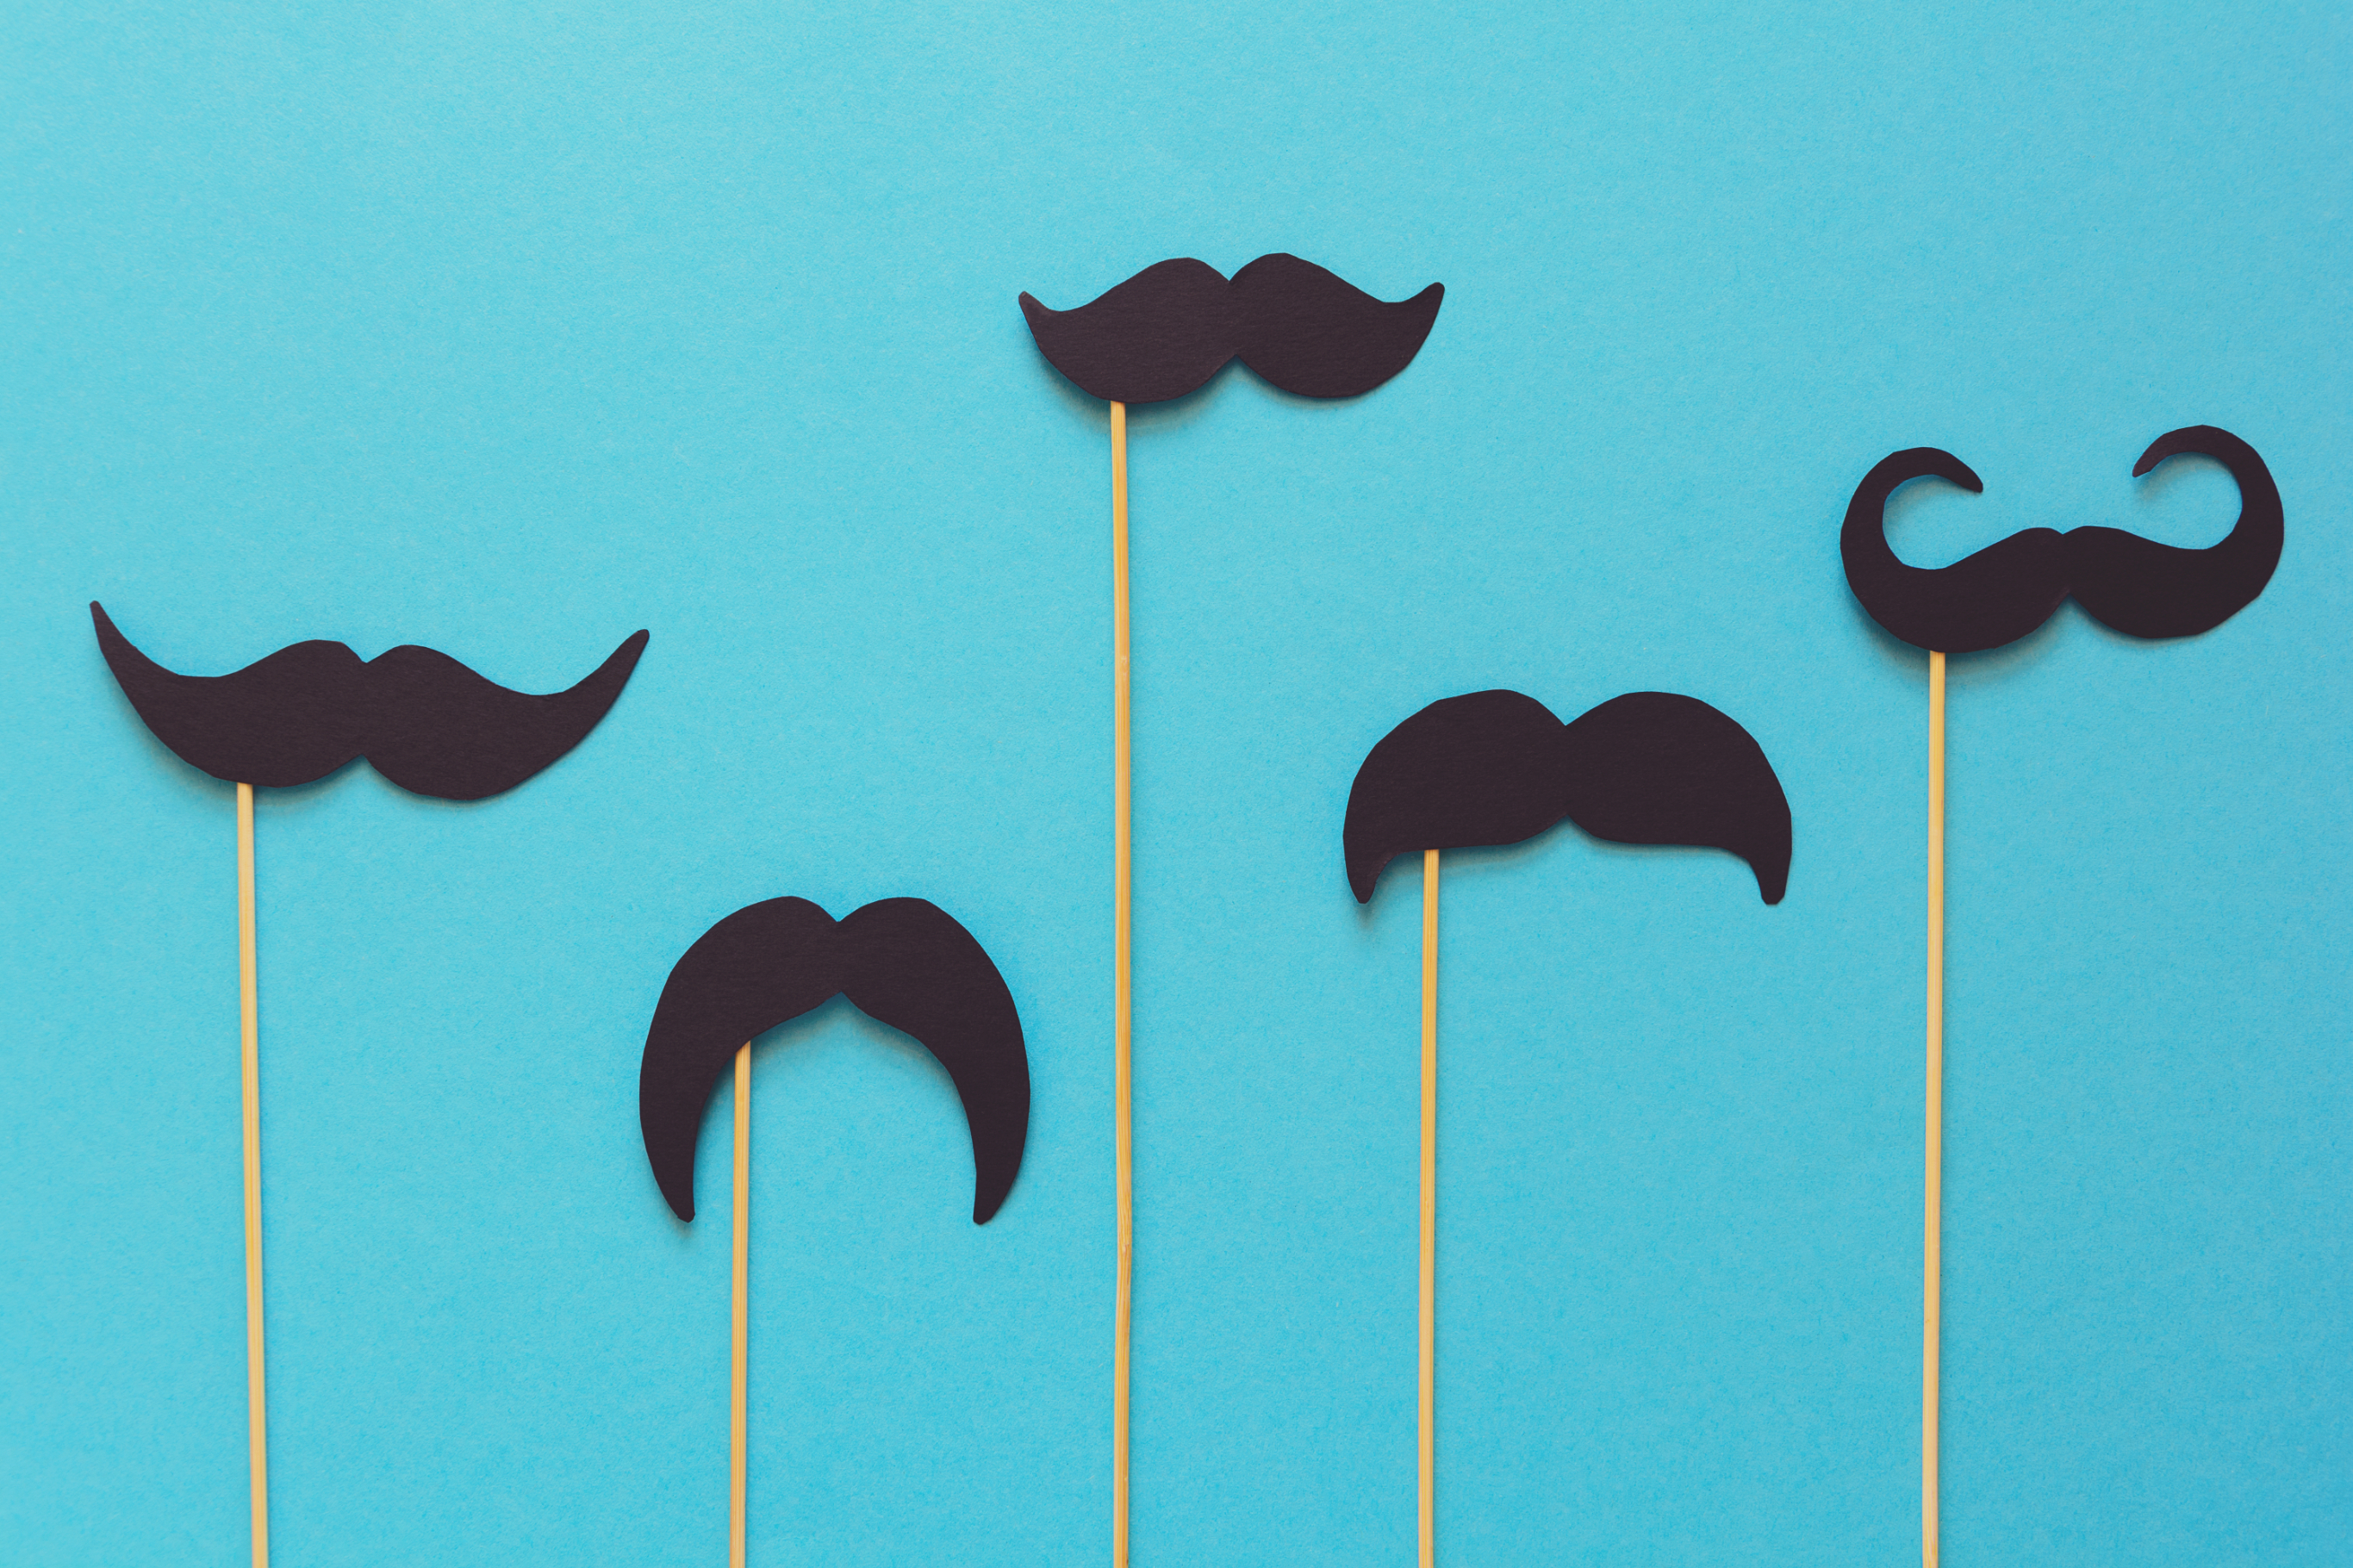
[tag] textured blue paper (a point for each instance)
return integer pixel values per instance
(510, 328)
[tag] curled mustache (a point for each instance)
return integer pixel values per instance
(2135, 585)
(901, 962)
(1496, 767)
(424, 721)
(1174, 325)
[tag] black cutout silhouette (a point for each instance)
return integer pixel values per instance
(1496, 767)
(903, 961)
(1174, 325)
(421, 719)
(2136, 585)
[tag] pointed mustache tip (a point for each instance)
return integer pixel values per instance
(1899, 468)
(2172, 444)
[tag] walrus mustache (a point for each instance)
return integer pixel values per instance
(901, 962)
(2132, 584)
(423, 720)
(1174, 325)
(1497, 767)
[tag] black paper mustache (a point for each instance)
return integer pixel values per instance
(424, 721)
(1496, 767)
(903, 961)
(2136, 585)
(1174, 325)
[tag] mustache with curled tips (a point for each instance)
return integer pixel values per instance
(2132, 584)
(1174, 325)
(421, 719)
(1496, 767)
(901, 962)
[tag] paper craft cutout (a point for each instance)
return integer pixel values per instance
(903, 961)
(2132, 584)
(427, 723)
(422, 720)
(1496, 767)
(1174, 325)
(1160, 334)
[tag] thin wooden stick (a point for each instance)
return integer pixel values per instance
(257, 1406)
(1123, 1093)
(1429, 1207)
(738, 1428)
(1932, 1308)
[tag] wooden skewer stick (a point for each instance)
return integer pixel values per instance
(1429, 1205)
(256, 1413)
(739, 1434)
(1122, 1088)
(1932, 1310)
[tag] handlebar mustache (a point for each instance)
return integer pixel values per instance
(2131, 584)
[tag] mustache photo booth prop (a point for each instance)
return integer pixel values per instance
(2128, 583)
(905, 962)
(1170, 327)
(1160, 334)
(427, 723)
(421, 719)
(1496, 767)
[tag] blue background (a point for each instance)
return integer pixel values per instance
(509, 329)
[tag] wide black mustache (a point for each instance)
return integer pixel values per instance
(903, 961)
(1496, 767)
(2136, 585)
(1174, 324)
(426, 722)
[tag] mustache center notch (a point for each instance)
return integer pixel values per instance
(420, 718)
(2128, 583)
(903, 961)
(1496, 767)
(1166, 331)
